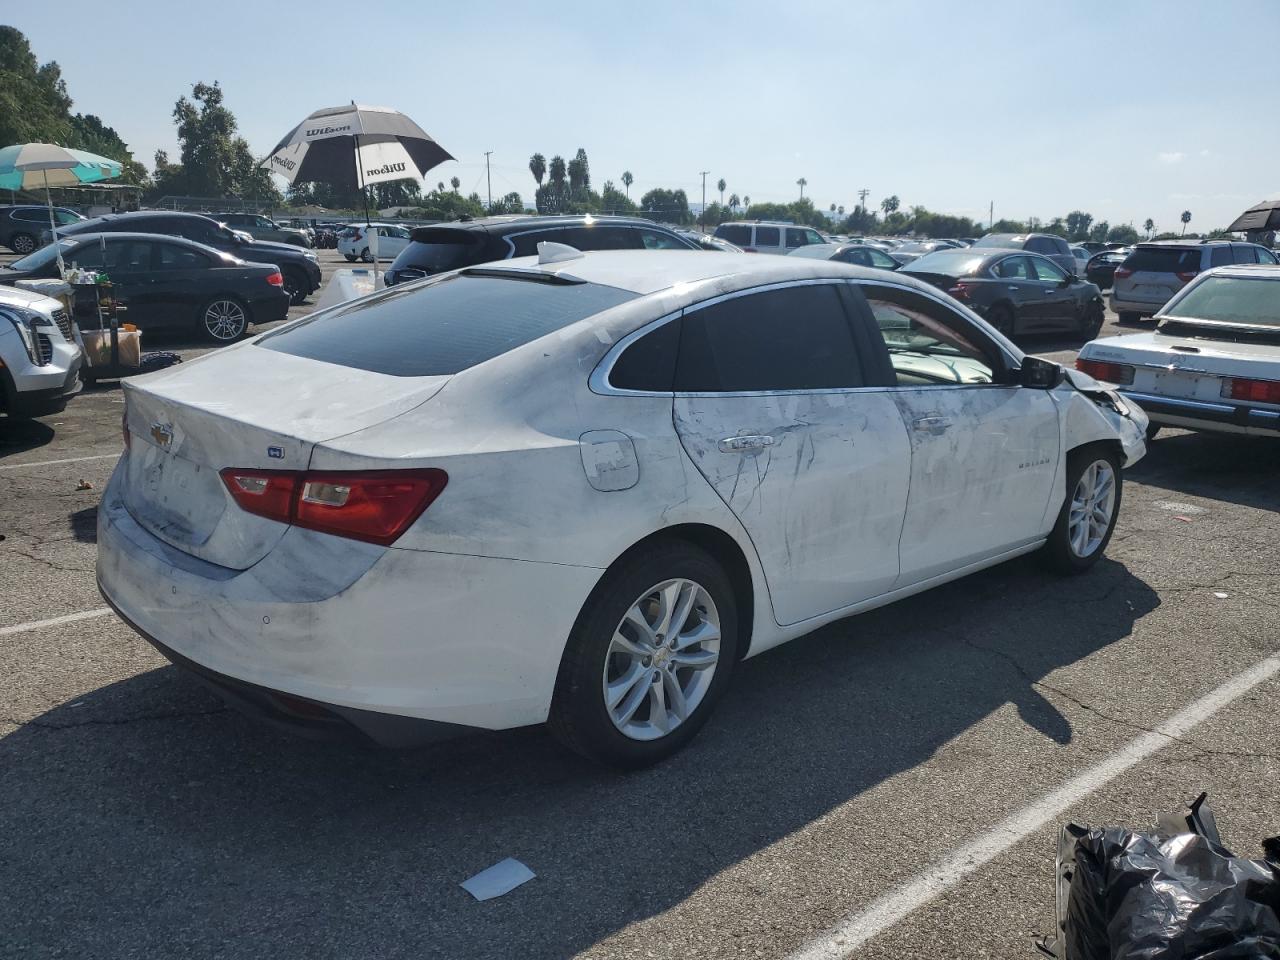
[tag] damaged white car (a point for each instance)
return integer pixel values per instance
(578, 491)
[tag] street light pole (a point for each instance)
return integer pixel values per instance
(488, 182)
(702, 216)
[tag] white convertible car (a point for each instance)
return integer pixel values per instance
(1213, 361)
(579, 488)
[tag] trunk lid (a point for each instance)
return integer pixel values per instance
(1188, 367)
(241, 407)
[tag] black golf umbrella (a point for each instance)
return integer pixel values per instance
(1260, 217)
(354, 146)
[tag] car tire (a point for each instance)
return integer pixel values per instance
(296, 286)
(648, 669)
(23, 243)
(1127, 319)
(1081, 534)
(1091, 322)
(1002, 318)
(366, 256)
(350, 257)
(224, 319)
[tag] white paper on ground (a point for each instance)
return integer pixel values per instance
(499, 879)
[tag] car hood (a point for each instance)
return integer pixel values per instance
(16, 297)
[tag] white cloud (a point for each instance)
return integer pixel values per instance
(1172, 156)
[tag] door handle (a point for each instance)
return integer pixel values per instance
(745, 444)
(1013, 286)
(933, 425)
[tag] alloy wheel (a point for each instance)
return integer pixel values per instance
(1092, 507)
(23, 244)
(225, 320)
(661, 659)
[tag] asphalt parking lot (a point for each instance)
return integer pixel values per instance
(140, 818)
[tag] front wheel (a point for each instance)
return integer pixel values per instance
(1088, 517)
(366, 256)
(1091, 322)
(224, 319)
(350, 257)
(649, 656)
(295, 287)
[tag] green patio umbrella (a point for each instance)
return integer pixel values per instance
(27, 166)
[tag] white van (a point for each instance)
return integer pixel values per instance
(768, 237)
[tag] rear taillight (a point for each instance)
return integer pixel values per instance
(375, 506)
(275, 279)
(961, 290)
(1186, 276)
(1123, 273)
(1257, 391)
(1108, 372)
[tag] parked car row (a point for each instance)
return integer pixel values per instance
(23, 227)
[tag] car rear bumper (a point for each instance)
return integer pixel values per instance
(1205, 415)
(1146, 308)
(270, 307)
(346, 626)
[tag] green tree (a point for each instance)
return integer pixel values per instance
(556, 171)
(455, 183)
(1078, 224)
(746, 202)
(613, 200)
(627, 181)
(34, 104)
(1100, 231)
(667, 206)
(802, 183)
(840, 210)
(1122, 233)
(889, 205)
(734, 201)
(538, 167)
(720, 185)
(579, 172)
(1185, 218)
(1149, 227)
(90, 133)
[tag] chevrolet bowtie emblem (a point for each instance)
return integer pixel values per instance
(162, 433)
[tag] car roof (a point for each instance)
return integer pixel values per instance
(648, 271)
(116, 235)
(1251, 271)
(504, 223)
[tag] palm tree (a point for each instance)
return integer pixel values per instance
(455, 183)
(440, 186)
(746, 202)
(840, 210)
(833, 208)
(889, 205)
(1150, 227)
(720, 187)
(734, 200)
(802, 183)
(556, 170)
(538, 167)
(1186, 218)
(627, 181)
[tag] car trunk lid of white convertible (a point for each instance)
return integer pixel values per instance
(1187, 366)
(246, 407)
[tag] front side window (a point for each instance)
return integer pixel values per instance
(793, 338)
(1245, 254)
(854, 255)
(881, 260)
(656, 240)
(170, 256)
(1014, 268)
(1266, 256)
(65, 216)
(795, 238)
(926, 342)
(1048, 270)
(767, 237)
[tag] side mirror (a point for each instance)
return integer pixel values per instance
(1039, 374)
(1068, 280)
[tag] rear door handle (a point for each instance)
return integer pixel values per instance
(934, 425)
(745, 444)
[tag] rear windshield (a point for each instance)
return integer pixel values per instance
(1231, 300)
(997, 240)
(1164, 260)
(435, 257)
(444, 327)
(949, 263)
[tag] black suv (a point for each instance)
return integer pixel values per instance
(22, 225)
(449, 246)
(300, 269)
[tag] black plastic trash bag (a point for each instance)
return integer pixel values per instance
(1176, 894)
(157, 360)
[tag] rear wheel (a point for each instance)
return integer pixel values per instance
(1088, 517)
(1091, 322)
(650, 655)
(366, 256)
(295, 286)
(22, 243)
(1001, 317)
(350, 257)
(224, 319)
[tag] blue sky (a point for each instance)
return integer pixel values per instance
(1126, 110)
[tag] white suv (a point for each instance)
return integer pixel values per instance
(39, 358)
(766, 237)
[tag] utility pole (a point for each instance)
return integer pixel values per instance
(862, 197)
(991, 216)
(488, 182)
(702, 217)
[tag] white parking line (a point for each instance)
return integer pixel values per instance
(881, 914)
(50, 463)
(69, 618)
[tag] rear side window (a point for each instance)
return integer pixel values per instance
(1041, 245)
(735, 233)
(649, 363)
(1220, 256)
(657, 240)
(604, 238)
(170, 256)
(796, 338)
(767, 237)
(1164, 260)
(442, 328)
(1245, 254)
(1014, 268)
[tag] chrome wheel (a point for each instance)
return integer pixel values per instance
(661, 659)
(1092, 508)
(23, 244)
(225, 320)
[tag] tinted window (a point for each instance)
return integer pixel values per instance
(657, 240)
(31, 216)
(650, 362)
(605, 238)
(170, 256)
(797, 238)
(1266, 256)
(767, 237)
(856, 255)
(201, 231)
(435, 257)
(1014, 268)
(813, 236)
(1232, 300)
(1047, 269)
(127, 256)
(950, 263)
(1245, 254)
(1040, 245)
(444, 327)
(1220, 256)
(65, 216)
(796, 338)
(1164, 260)
(928, 344)
(735, 233)
(526, 244)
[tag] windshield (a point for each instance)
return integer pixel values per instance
(44, 255)
(950, 263)
(1251, 300)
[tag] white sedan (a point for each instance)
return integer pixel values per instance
(579, 489)
(1213, 360)
(360, 240)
